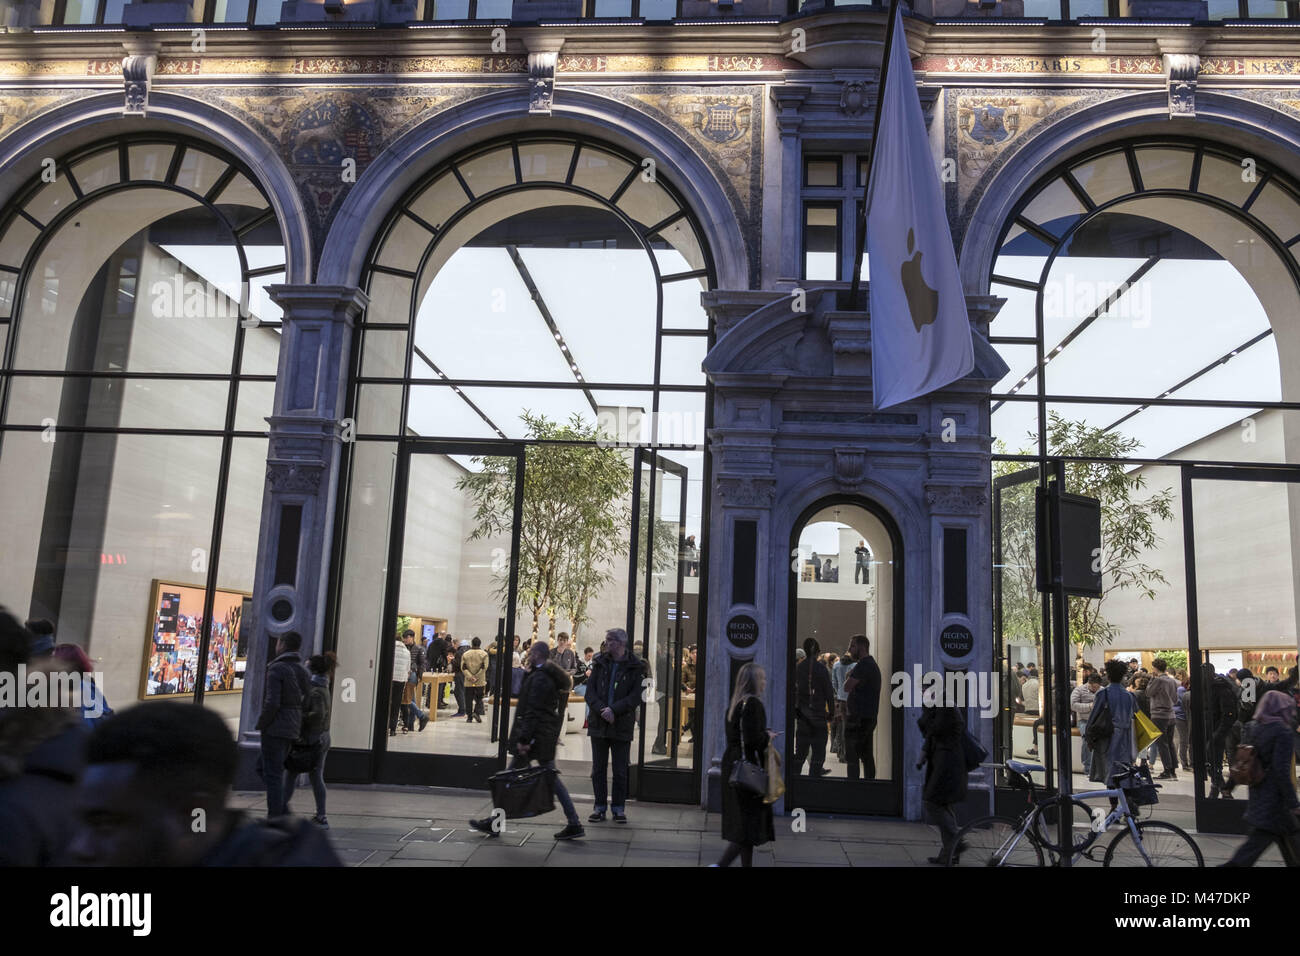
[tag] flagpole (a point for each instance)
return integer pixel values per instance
(871, 152)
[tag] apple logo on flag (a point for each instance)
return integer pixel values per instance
(922, 301)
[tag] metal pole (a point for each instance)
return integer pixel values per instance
(871, 153)
(1061, 665)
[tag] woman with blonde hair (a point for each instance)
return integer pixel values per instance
(746, 818)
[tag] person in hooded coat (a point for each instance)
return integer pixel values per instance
(539, 720)
(945, 785)
(1272, 810)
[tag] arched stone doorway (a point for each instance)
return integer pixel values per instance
(846, 580)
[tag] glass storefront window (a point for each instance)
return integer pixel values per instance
(131, 322)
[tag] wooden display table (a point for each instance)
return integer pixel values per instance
(435, 692)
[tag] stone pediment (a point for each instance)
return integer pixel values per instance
(804, 334)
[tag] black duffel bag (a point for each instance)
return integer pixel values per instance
(524, 792)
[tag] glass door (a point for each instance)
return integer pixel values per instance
(454, 551)
(662, 625)
(1240, 546)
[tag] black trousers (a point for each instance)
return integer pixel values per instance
(809, 735)
(1165, 745)
(601, 748)
(860, 747)
(474, 700)
(943, 816)
(395, 704)
(1260, 840)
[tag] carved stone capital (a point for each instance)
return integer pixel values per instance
(137, 77)
(1181, 70)
(748, 491)
(295, 477)
(850, 466)
(956, 499)
(541, 82)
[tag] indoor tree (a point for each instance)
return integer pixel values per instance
(574, 511)
(1128, 529)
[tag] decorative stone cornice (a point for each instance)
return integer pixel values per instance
(137, 78)
(747, 491)
(956, 499)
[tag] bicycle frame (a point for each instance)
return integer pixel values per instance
(1122, 811)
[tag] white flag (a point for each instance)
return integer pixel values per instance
(920, 332)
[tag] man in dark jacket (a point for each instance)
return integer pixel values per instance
(154, 794)
(414, 712)
(814, 708)
(539, 721)
(287, 683)
(613, 694)
(1220, 717)
(862, 687)
(438, 649)
(945, 773)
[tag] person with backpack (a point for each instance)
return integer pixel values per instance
(280, 722)
(1264, 761)
(539, 720)
(315, 734)
(1110, 727)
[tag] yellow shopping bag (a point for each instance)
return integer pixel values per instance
(1145, 731)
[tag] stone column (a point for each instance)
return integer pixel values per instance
(302, 471)
(789, 102)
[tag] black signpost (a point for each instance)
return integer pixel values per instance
(1069, 563)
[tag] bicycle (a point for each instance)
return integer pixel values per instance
(1004, 841)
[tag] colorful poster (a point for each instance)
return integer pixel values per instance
(175, 630)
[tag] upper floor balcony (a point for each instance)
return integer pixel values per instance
(40, 15)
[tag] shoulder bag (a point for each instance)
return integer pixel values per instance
(746, 776)
(1101, 727)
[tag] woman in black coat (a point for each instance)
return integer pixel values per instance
(945, 772)
(1271, 812)
(746, 818)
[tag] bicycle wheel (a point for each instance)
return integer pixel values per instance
(1165, 844)
(995, 841)
(1080, 825)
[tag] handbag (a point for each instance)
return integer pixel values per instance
(972, 751)
(301, 757)
(745, 776)
(1247, 769)
(524, 791)
(1101, 727)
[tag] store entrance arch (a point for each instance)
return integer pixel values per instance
(846, 581)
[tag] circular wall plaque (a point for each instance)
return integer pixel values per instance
(957, 640)
(742, 630)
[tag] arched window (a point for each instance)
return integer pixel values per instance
(544, 293)
(140, 353)
(1151, 331)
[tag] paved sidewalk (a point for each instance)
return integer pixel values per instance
(423, 826)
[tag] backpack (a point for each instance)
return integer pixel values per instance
(1247, 768)
(1100, 727)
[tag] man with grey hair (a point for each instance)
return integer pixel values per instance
(613, 693)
